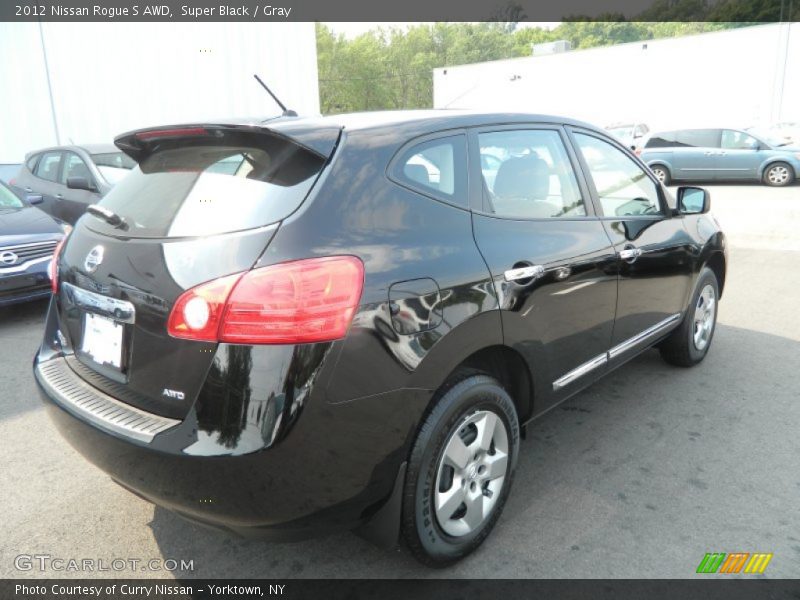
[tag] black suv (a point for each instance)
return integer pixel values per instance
(297, 326)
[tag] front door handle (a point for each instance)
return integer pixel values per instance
(59, 197)
(629, 254)
(529, 272)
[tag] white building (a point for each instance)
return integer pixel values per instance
(743, 77)
(87, 82)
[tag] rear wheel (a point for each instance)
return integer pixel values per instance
(661, 174)
(779, 174)
(689, 343)
(460, 470)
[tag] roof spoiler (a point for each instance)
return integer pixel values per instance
(140, 143)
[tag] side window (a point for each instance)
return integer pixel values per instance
(48, 166)
(528, 175)
(624, 188)
(75, 167)
(738, 140)
(31, 163)
(436, 167)
(698, 138)
(664, 139)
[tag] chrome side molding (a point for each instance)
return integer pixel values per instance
(580, 371)
(602, 359)
(643, 336)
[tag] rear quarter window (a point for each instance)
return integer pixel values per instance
(435, 167)
(661, 140)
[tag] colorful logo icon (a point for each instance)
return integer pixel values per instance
(720, 562)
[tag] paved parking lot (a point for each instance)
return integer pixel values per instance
(638, 476)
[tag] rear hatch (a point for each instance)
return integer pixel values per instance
(203, 203)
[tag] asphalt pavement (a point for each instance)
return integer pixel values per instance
(638, 476)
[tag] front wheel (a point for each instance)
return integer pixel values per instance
(460, 470)
(661, 174)
(779, 175)
(689, 343)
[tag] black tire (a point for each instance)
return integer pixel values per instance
(680, 348)
(466, 396)
(662, 174)
(778, 174)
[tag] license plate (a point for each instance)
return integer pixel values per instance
(102, 340)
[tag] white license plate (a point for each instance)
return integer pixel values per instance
(102, 340)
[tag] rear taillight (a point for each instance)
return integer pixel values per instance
(12, 182)
(304, 301)
(52, 270)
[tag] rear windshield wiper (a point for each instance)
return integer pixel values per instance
(109, 216)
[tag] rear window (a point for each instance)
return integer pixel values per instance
(661, 140)
(118, 160)
(208, 189)
(699, 138)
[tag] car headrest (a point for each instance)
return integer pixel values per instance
(523, 177)
(417, 173)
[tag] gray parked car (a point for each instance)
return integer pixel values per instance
(64, 180)
(720, 154)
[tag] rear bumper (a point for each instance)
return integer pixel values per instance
(333, 471)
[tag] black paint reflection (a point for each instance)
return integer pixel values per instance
(253, 395)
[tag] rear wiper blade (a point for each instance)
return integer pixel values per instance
(109, 216)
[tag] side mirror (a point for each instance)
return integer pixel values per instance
(34, 199)
(693, 201)
(80, 183)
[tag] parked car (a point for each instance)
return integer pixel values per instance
(64, 180)
(28, 238)
(325, 337)
(630, 134)
(720, 154)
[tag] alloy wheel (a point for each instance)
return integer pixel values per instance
(471, 473)
(704, 313)
(778, 175)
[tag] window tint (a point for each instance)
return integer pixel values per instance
(698, 138)
(48, 166)
(738, 140)
(437, 167)
(9, 199)
(623, 187)
(75, 167)
(118, 160)
(665, 139)
(204, 189)
(528, 175)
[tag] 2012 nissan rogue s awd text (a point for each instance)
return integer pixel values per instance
(303, 325)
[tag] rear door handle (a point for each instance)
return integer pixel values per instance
(630, 254)
(59, 197)
(529, 272)
(29, 190)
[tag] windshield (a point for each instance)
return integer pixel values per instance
(205, 189)
(9, 199)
